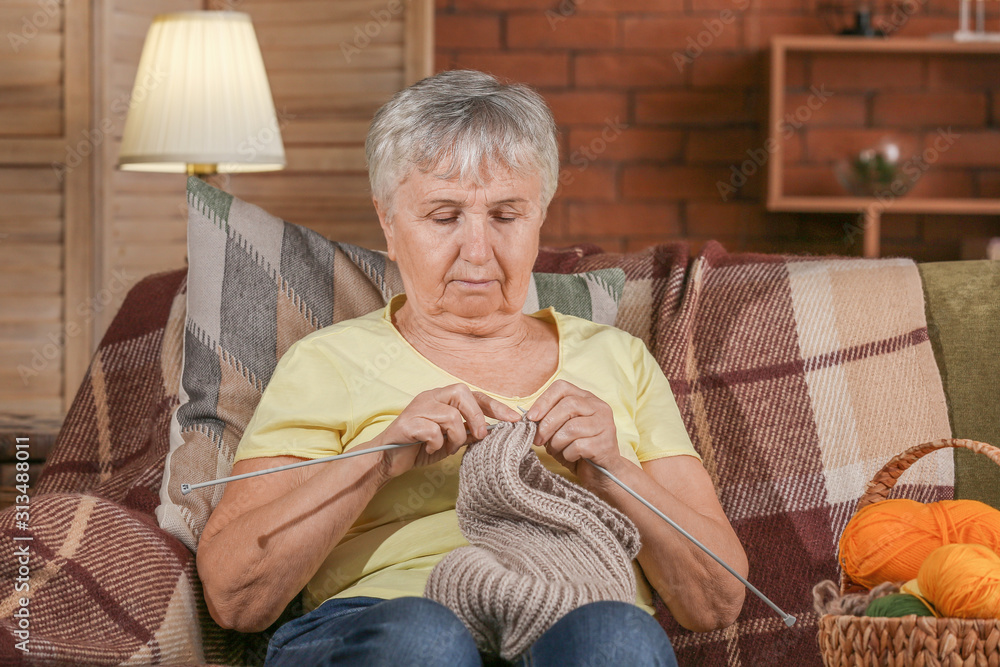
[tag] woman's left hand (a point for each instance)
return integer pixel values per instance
(574, 424)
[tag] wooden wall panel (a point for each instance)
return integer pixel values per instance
(81, 143)
(34, 132)
(31, 67)
(31, 229)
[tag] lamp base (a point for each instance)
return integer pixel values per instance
(202, 170)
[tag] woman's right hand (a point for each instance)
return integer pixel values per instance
(437, 418)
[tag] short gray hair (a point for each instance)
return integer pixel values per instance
(466, 123)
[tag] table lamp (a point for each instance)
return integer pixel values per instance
(201, 103)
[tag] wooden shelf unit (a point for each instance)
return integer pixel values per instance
(870, 207)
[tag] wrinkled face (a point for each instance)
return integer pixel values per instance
(465, 251)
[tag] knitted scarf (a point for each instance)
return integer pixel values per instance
(541, 546)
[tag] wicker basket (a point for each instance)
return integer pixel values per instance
(909, 641)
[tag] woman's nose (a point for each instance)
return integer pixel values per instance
(476, 243)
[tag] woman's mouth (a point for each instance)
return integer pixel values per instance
(475, 284)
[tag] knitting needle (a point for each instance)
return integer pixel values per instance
(788, 618)
(188, 488)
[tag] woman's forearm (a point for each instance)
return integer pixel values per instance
(699, 592)
(252, 566)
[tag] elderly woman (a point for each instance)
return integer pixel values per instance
(462, 169)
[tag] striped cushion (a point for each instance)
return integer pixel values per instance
(257, 284)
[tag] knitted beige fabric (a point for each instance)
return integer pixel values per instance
(541, 546)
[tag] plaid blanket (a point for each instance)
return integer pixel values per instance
(105, 585)
(796, 380)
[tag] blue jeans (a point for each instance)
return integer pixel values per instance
(418, 631)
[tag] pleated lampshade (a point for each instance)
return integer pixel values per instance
(201, 102)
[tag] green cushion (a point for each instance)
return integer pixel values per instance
(963, 319)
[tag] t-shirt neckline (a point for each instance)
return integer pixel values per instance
(397, 301)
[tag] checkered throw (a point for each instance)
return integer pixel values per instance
(797, 379)
(106, 585)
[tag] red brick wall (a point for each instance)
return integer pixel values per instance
(651, 125)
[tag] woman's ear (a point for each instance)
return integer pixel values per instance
(386, 225)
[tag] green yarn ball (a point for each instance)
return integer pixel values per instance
(894, 606)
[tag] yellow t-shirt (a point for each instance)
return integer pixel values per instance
(344, 384)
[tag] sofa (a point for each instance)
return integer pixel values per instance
(797, 377)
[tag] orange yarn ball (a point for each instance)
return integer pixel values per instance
(962, 580)
(889, 540)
